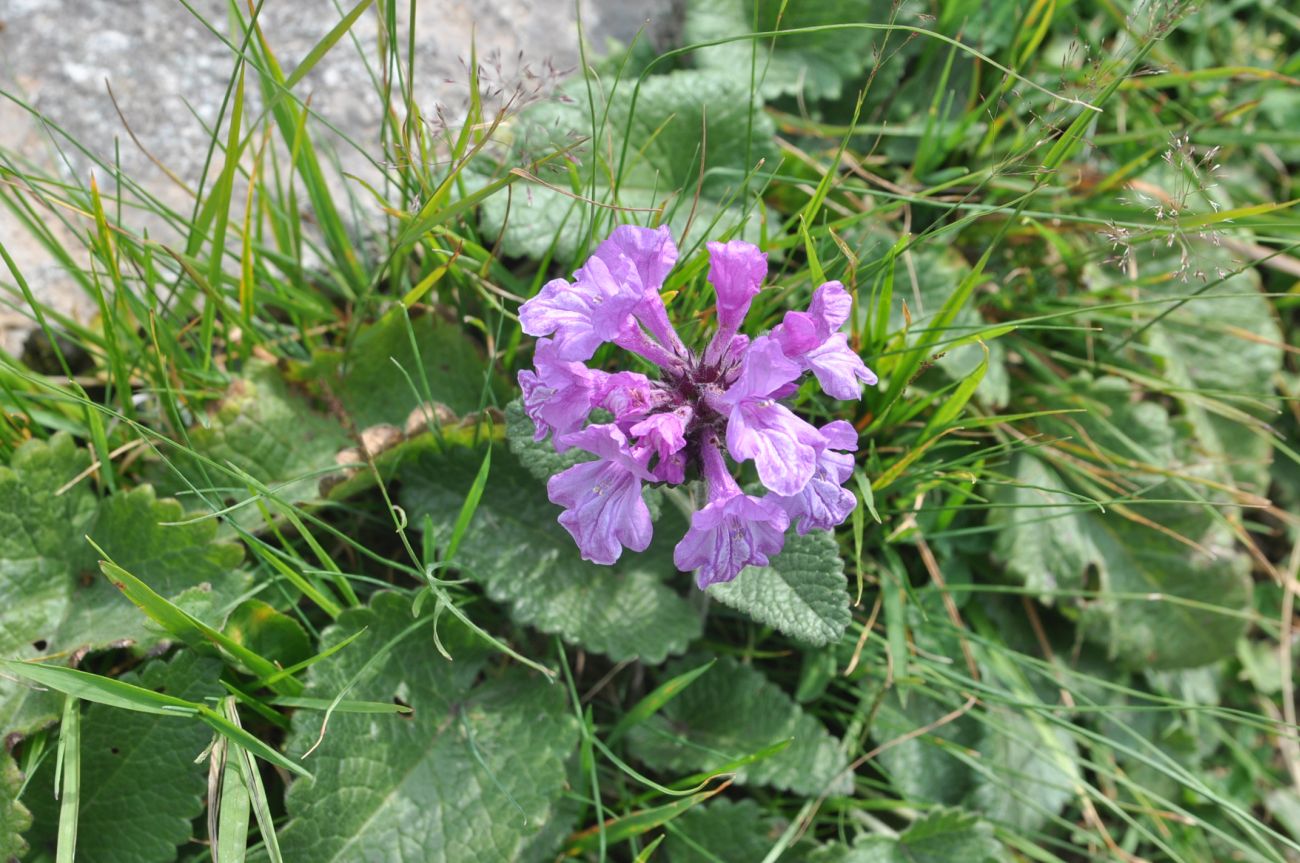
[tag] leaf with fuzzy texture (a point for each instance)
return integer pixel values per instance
(42, 561)
(1056, 547)
(945, 836)
(671, 113)
(803, 592)
(721, 831)
(139, 532)
(624, 611)
(371, 387)
(140, 785)
(733, 711)
(472, 773)
(816, 65)
(14, 817)
(269, 431)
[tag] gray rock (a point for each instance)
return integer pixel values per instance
(169, 72)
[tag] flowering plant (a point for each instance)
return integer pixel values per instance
(704, 406)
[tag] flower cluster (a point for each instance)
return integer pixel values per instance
(703, 406)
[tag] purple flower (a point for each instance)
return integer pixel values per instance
(812, 339)
(663, 427)
(603, 507)
(583, 315)
(560, 394)
(733, 530)
(784, 448)
(824, 502)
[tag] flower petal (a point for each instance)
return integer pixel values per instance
(831, 306)
(784, 448)
(736, 271)
(604, 510)
(764, 370)
(584, 315)
(729, 534)
(839, 370)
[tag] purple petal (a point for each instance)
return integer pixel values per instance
(608, 442)
(736, 271)
(645, 256)
(584, 315)
(840, 435)
(764, 370)
(839, 370)
(823, 502)
(650, 251)
(784, 448)
(629, 395)
(729, 534)
(665, 432)
(798, 333)
(603, 509)
(830, 308)
(560, 394)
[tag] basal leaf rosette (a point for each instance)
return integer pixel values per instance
(704, 409)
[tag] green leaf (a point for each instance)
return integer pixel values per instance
(537, 457)
(272, 433)
(368, 378)
(14, 817)
(672, 116)
(803, 592)
(1162, 603)
(921, 768)
(471, 774)
(1219, 350)
(623, 611)
(268, 633)
(733, 711)
(141, 534)
(53, 602)
(1026, 779)
(722, 831)
(140, 785)
(41, 563)
(944, 836)
(815, 64)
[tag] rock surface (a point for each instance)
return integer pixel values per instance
(169, 71)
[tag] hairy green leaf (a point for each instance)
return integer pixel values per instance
(139, 532)
(721, 831)
(472, 773)
(816, 65)
(624, 610)
(1162, 603)
(733, 711)
(802, 593)
(14, 817)
(43, 566)
(382, 375)
(944, 836)
(673, 115)
(140, 785)
(272, 433)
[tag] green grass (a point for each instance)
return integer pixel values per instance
(1070, 231)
